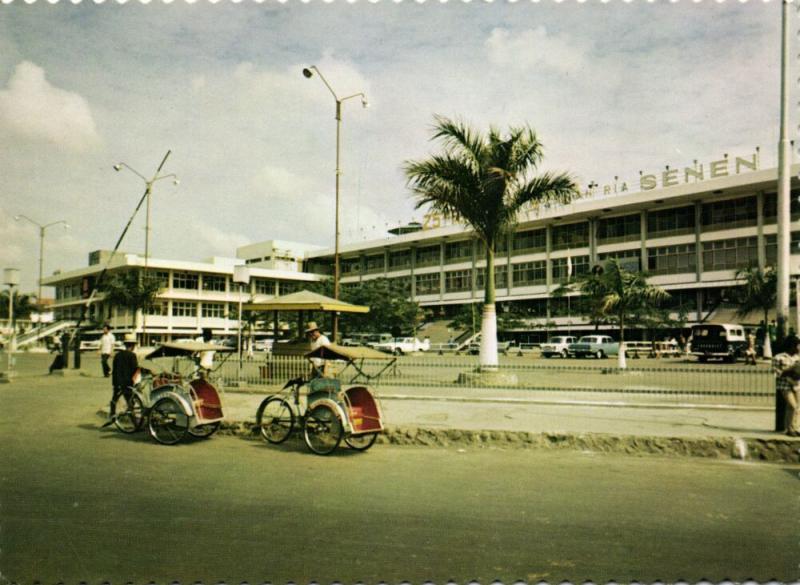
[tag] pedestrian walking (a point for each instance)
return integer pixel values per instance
(786, 366)
(750, 352)
(124, 367)
(107, 341)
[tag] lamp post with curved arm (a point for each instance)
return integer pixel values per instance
(148, 191)
(42, 229)
(308, 72)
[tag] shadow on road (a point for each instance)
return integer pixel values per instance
(111, 432)
(296, 445)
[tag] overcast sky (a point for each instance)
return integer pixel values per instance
(611, 89)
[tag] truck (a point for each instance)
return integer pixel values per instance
(724, 341)
(402, 345)
(600, 346)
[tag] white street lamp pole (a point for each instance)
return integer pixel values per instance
(308, 73)
(241, 276)
(148, 190)
(42, 229)
(784, 176)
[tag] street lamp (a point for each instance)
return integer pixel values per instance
(11, 279)
(42, 229)
(148, 190)
(308, 72)
(241, 276)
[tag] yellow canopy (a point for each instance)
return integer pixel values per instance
(305, 301)
(347, 353)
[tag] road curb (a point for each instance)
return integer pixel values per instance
(737, 448)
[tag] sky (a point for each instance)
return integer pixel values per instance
(610, 89)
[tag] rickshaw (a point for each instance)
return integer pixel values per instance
(330, 413)
(173, 403)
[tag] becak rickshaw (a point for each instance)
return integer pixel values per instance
(331, 412)
(174, 402)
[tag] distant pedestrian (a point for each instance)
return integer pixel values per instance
(750, 352)
(206, 358)
(787, 383)
(107, 341)
(123, 369)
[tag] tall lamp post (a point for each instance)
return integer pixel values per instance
(11, 279)
(148, 190)
(308, 73)
(241, 276)
(42, 229)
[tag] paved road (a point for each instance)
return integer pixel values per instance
(79, 503)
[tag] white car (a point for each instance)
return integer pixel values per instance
(558, 345)
(401, 345)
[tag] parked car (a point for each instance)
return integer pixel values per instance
(600, 346)
(375, 338)
(502, 347)
(558, 345)
(401, 345)
(723, 341)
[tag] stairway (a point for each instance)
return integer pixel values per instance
(43, 331)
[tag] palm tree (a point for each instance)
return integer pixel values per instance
(23, 306)
(621, 296)
(759, 293)
(485, 180)
(131, 291)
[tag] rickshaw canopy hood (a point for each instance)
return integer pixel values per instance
(185, 349)
(305, 300)
(340, 352)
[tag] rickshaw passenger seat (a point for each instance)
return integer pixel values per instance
(324, 385)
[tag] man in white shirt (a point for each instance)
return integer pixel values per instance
(206, 362)
(107, 341)
(317, 340)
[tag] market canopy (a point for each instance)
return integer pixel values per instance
(174, 349)
(305, 301)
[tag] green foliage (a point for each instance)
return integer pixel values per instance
(615, 295)
(759, 292)
(131, 290)
(390, 307)
(23, 305)
(485, 180)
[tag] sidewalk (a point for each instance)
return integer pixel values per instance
(481, 418)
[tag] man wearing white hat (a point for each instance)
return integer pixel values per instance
(123, 368)
(315, 336)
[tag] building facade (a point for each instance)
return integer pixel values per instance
(691, 237)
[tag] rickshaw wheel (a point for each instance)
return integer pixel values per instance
(128, 414)
(275, 420)
(168, 423)
(322, 429)
(204, 431)
(361, 442)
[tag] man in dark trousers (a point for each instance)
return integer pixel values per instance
(122, 371)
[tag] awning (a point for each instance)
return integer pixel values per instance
(340, 352)
(305, 301)
(186, 349)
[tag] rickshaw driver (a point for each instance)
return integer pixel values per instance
(317, 339)
(123, 368)
(205, 362)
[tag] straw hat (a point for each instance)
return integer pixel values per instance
(130, 338)
(311, 326)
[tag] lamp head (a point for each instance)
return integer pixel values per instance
(67, 226)
(17, 218)
(176, 182)
(364, 102)
(307, 73)
(118, 167)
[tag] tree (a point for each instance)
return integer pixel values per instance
(759, 293)
(23, 306)
(389, 301)
(485, 180)
(131, 290)
(620, 296)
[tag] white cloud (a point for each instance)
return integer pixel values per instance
(33, 108)
(533, 48)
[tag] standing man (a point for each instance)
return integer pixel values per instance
(124, 367)
(206, 358)
(107, 341)
(786, 387)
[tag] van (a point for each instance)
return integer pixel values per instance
(723, 341)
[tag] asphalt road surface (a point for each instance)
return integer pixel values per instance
(81, 503)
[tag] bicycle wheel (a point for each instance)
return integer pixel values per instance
(322, 429)
(361, 442)
(204, 431)
(275, 419)
(128, 413)
(168, 423)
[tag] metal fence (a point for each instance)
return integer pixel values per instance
(589, 380)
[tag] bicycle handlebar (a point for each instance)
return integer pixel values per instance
(299, 381)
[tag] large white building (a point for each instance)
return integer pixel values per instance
(690, 229)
